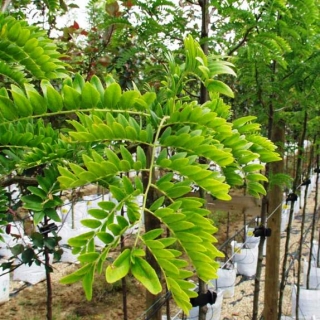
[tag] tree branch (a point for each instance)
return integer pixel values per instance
(244, 39)
(19, 180)
(4, 5)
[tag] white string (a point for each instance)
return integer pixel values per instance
(243, 245)
(176, 315)
(234, 253)
(272, 213)
(246, 240)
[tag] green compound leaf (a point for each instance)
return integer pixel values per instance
(87, 283)
(53, 98)
(141, 157)
(8, 109)
(90, 96)
(144, 273)
(105, 237)
(81, 239)
(37, 217)
(112, 95)
(98, 213)
(107, 205)
(152, 234)
(91, 223)
(220, 87)
(157, 204)
(120, 267)
(77, 275)
(88, 257)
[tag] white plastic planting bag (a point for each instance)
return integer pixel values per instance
(314, 277)
(93, 200)
(73, 213)
(4, 285)
(226, 280)
(313, 182)
(284, 216)
(10, 240)
(32, 274)
(65, 211)
(308, 303)
(251, 240)
(296, 207)
(315, 252)
(246, 258)
(213, 312)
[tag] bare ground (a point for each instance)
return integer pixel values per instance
(69, 302)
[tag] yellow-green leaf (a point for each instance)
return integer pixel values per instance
(91, 223)
(219, 87)
(88, 257)
(144, 273)
(112, 95)
(120, 267)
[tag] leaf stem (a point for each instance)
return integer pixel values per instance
(73, 111)
(144, 205)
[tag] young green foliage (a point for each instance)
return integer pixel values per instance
(27, 53)
(137, 144)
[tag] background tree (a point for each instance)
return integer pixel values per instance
(272, 35)
(27, 56)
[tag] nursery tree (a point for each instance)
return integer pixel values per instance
(107, 133)
(269, 50)
(26, 56)
(124, 38)
(268, 42)
(174, 128)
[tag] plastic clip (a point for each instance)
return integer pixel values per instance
(203, 298)
(48, 228)
(262, 231)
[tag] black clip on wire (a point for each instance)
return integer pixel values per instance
(203, 298)
(48, 228)
(305, 182)
(262, 231)
(291, 197)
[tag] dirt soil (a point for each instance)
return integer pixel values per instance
(28, 302)
(69, 303)
(240, 306)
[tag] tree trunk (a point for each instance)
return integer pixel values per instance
(295, 184)
(204, 42)
(314, 219)
(318, 251)
(300, 249)
(4, 5)
(154, 312)
(123, 280)
(270, 311)
(48, 276)
(203, 98)
(151, 223)
(203, 288)
(257, 279)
